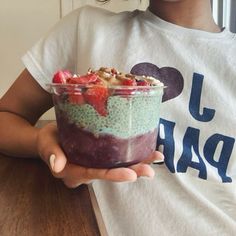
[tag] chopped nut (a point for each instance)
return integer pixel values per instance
(121, 76)
(114, 71)
(105, 69)
(90, 71)
(130, 76)
(106, 75)
(114, 81)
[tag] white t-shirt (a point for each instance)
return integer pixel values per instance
(194, 191)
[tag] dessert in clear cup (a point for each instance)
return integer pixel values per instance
(106, 118)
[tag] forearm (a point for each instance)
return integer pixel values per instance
(20, 107)
(17, 136)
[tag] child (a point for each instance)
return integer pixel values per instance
(179, 43)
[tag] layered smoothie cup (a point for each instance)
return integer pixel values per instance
(105, 124)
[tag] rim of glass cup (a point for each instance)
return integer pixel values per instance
(158, 86)
(113, 89)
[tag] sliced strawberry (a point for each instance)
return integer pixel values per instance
(76, 99)
(84, 79)
(97, 97)
(129, 82)
(143, 83)
(61, 76)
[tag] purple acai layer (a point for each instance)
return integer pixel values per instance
(104, 150)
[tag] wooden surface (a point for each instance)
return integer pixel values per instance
(33, 202)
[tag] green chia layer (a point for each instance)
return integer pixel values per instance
(127, 117)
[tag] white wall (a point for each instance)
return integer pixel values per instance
(21, 25)
(113, 5)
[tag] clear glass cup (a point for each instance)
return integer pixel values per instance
(125, 135)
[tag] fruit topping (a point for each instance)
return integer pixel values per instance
(76, 98)
(61, 76)
(97, 97)
(84, 79)
(143, 83)
(104, 76)
(92, 88)
(129, 82)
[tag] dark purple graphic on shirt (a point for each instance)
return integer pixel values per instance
(169, 76)
(215, 151)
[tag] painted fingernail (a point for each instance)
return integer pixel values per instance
(52, 159)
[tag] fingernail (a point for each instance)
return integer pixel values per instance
(158, 162)
(52, 159)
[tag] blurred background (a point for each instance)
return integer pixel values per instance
(23, 22)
